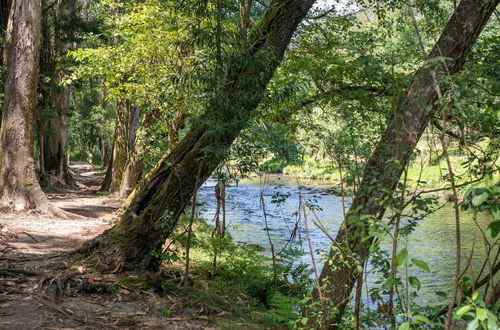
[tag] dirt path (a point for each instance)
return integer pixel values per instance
(33, 247)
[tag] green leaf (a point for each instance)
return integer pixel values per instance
(441, 294)
(421, 264)
(492, 323)
(401, 257)
(389, 283)
(493, 229)
(480, 199)
(481, 314)
(464, 309)
(422, 319)
(473, 325)
(415, 282)
(404, 326)
(495, 211)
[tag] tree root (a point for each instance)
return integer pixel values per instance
(71, 284)
(101, 256)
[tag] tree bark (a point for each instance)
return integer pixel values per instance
(152, 210)
(55, 138)
(19, 186)
(4, 18)
(392, 154)
(126, 125)
(134, 164)
(54, 144)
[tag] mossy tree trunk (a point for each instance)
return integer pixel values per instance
(152, 210)
(19, 186)
(392, 154)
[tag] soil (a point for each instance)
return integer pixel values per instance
(35, 249)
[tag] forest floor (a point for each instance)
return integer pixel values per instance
(34, 248)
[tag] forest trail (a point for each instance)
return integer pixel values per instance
(34, 247)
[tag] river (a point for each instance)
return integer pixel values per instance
(432, 241)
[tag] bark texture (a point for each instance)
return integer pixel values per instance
(53, 140)
(134, 163)
(384, 168)
(124, 147)
(19, 186)
(152, 210)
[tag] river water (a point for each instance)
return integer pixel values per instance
(432, 241)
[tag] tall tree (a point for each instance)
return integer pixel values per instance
(392, 154)
(152, 210)
(53, 130)
(19, 186)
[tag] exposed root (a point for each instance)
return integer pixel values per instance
(101, 256)
(71, 284)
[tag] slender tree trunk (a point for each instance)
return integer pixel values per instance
(19, 186)
(4, 18)
(174, 128)
(124, 147)
(134, 164)
(152, 210)
(392, 154)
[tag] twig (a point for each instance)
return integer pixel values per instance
(30, 236)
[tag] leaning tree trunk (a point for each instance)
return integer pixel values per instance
(152, 210)
(392, 154)
(19, 186)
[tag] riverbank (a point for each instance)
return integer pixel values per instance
(45, 285)
(430, 178)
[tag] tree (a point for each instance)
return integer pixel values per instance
(58, 35)
(392, 154)
(152, 210)
(19, 186)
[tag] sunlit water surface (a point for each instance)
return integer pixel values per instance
(432, 241)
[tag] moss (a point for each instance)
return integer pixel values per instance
(133, 283)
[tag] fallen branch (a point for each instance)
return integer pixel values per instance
(7, 271)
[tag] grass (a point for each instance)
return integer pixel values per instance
(240, 292)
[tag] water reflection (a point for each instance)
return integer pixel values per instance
(432, 241)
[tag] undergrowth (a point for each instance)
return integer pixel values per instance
(240, 290)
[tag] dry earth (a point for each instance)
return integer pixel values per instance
(35, 248)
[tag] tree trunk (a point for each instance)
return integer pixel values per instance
(134, 165)
(127, 123)
(19, 186)
(4, 18)
(55, 139)
(392, 154)
(152, 210)
(54, 150)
